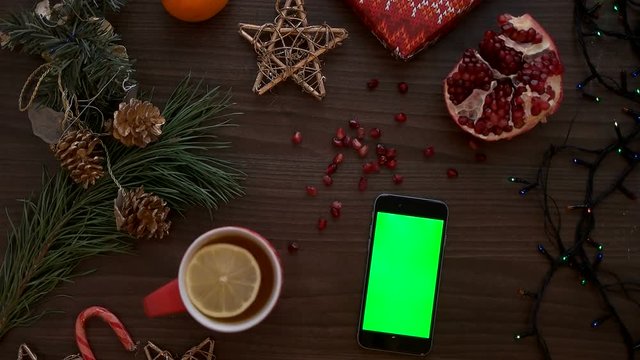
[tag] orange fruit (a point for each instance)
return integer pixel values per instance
(193, 10)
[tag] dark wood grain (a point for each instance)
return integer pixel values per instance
(492, 232)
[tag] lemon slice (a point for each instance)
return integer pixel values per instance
(222, 280)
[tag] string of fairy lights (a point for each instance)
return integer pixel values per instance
(584, 254)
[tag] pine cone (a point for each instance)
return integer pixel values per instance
(137, 123)
(79, 152)
(141, 215)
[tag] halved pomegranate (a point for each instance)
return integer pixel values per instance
(510, 84)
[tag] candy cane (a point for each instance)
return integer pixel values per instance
(111, 320)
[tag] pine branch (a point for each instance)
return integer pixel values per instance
(65, 223)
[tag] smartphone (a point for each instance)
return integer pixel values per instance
(406, 248)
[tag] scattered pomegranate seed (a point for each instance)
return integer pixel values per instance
(346, 142)
(381, 150)
(372, 84)
(400, 117)
(363, 151)
(293, 247)
(296, 138)
(338, 159)
(340, 134)
(473, 145)
(391, 153)
(375, 133)
(311, 190)
(337, 142)
(363, 183)
(354, 124)
(452, 173)
(481, 157)
(327, 180)
(356, 144)
(382, 159)
(362, 132)
(397, 179)
(403, 87)
(392, 164)
(331, 169)
(336, 206)
(370, 167)
(428, 152)
(322, 224)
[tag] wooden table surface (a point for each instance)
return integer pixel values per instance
(493, 232)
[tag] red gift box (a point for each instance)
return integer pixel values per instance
(408, 26)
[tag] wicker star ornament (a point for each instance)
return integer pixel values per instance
(289, 48)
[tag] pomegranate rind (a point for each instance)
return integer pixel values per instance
(475, 101)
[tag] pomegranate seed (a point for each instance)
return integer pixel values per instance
(375, 133)
(293, 247)
(381, 150)
(403, 87)
(400, 117)
(356, 144)
(392, 164)
(346, 142)
(362, 184)
(322, 224)
(362, 132)
(363, 151)
(296, 138)
(391, 153)
(340, 134)
(428, 152)
(481, 157)
(331, 169)
(336, 204)
(397, 179)
(327, 180)
(354, 124)
(382, 159)
(311, 190)
(370, 167)
(337, 142)
(372, 84)
(452, 173)
(338, 159)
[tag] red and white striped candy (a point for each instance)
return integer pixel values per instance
(111, 320)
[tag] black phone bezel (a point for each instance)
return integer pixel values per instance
(412, 206)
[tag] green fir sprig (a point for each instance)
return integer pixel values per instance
(66, 223)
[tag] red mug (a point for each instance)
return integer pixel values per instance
(173, 298)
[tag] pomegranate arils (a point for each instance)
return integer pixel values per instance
(337, 142)
(335, 209)
(397, 179)
(296, 138)
(327, 180)
(452, 173)
(381, 150)
(346, 142)
(392, 164)
(372, 84)
(521, 36)
(428, 152)
(363, 151)
(400, 117)
(375, 133)
(311, 190)
(501, 57)
(362, 183)
(472, 74)
(403, 87)
(340, 134)
(361, 133)
(391, 153)
(331, 169)
(354, 124)
(322, 224)
(338, 159)
(293, 247)
(370, 167)
(336, 204)
(382, 159)
(356, 144)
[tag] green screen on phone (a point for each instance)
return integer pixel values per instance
(403, 275)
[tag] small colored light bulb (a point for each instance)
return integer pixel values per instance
(599, 256)
(596, 323)
(599, 33)
(541, 249)
(600, 247)
(583, 282)
(517, 336)
(564, 258)
(616, 8)
(580, 86)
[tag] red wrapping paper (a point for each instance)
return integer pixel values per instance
(407, 26)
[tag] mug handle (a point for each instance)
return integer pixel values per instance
(165, 300)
